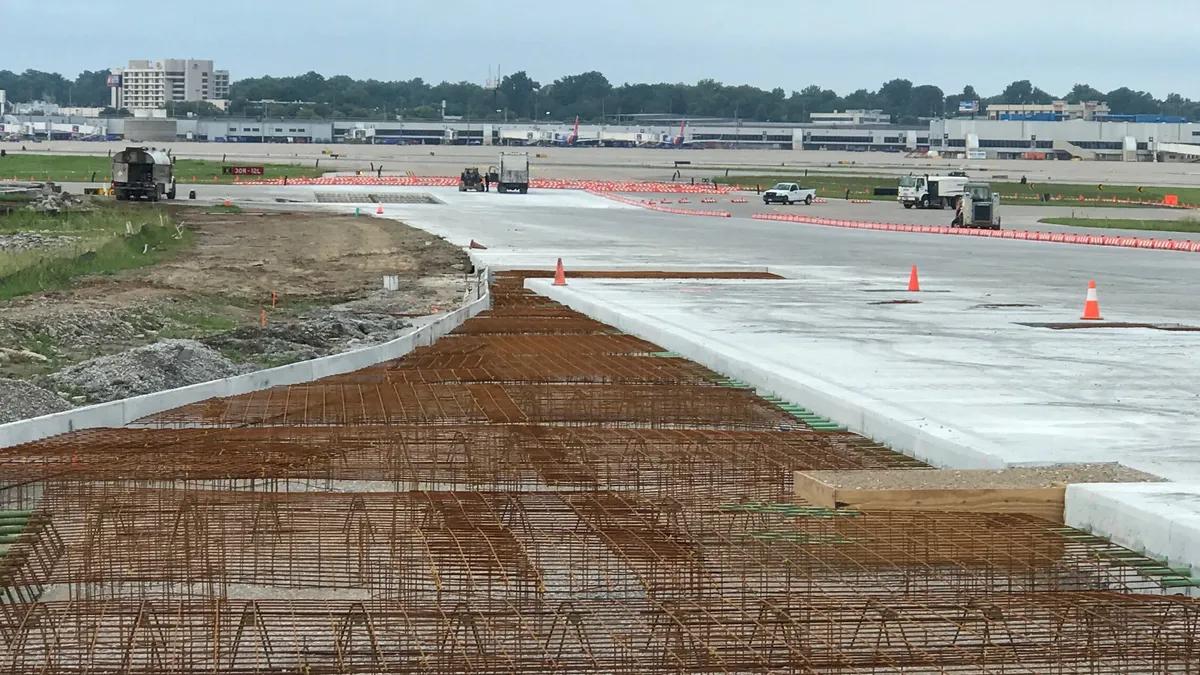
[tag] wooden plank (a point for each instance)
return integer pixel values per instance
(1043, 502)
(813, 491)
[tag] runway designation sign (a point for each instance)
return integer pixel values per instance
(242, 170)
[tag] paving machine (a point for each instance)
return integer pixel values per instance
(470, 179)
(979, 207)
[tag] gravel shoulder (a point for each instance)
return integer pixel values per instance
(257, 290)
(948, 479)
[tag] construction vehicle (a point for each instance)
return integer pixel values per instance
(513, 172)
(141, 173)
(930, 192)
(470, 179)
(979, 207)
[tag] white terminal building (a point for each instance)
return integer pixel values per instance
(850, 117)
(151, 85)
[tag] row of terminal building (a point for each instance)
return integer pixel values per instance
(1109, 138)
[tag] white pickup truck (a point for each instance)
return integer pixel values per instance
(789, 193)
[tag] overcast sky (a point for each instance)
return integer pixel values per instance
(839, 44)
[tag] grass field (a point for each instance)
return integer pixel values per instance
(87, 169)
(1185, 225)
(105, 240)
(862, 187)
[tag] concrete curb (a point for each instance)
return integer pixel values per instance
(1147, 517)
(902, 430)
(1021, 235)
(122, 412)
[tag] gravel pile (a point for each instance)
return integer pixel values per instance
(949, 479)
(52, 202)
(21, 400)
(24, 241)
(162, 365)
(311, 336)
(81, 328)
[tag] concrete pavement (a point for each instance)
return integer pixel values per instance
(965, 380)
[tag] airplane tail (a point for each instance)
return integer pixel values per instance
(679, 138)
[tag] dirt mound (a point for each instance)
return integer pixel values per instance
(21, 400)
(157, 367)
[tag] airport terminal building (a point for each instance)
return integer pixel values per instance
(1105, 137)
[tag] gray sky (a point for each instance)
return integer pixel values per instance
(840, 44)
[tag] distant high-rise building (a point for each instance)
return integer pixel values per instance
(151, 85)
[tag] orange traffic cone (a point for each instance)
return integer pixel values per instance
(560, 277)
(475, 244)
(1091, 308)
(379, 210)
(913, 284)
(226, 203)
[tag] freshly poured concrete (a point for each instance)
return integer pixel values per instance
(950, 365)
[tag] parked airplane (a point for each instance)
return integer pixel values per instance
(678, 140)
(574, 139)
(672, 141)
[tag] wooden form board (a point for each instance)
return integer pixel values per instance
(1043, 502)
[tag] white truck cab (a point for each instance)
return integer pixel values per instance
(931, 192)
(789, 193)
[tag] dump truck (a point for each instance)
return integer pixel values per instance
(513, 172)
(143, 173)
(930, 192)
(978, 208)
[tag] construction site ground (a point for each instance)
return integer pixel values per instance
(538, 492)
(316, 279)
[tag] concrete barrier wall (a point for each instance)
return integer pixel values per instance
(120, 413)
(874, 419)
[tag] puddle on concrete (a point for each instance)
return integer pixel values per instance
(896, 290)
(895, 302)
(1112, 324)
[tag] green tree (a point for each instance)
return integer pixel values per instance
(519, 92)
(926, 101)
(589, 95)
(895, 97)
(1023, 92)
(1083, 92)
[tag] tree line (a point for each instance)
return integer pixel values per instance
(588, 95)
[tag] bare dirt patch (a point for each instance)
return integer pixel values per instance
(324, 270)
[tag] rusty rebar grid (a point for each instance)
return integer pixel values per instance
(1094, 633)
(535, 525)
(318, 403)
(114, 541)
(681, 464)
(148, 573)
(548, 368)
(525, 325)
